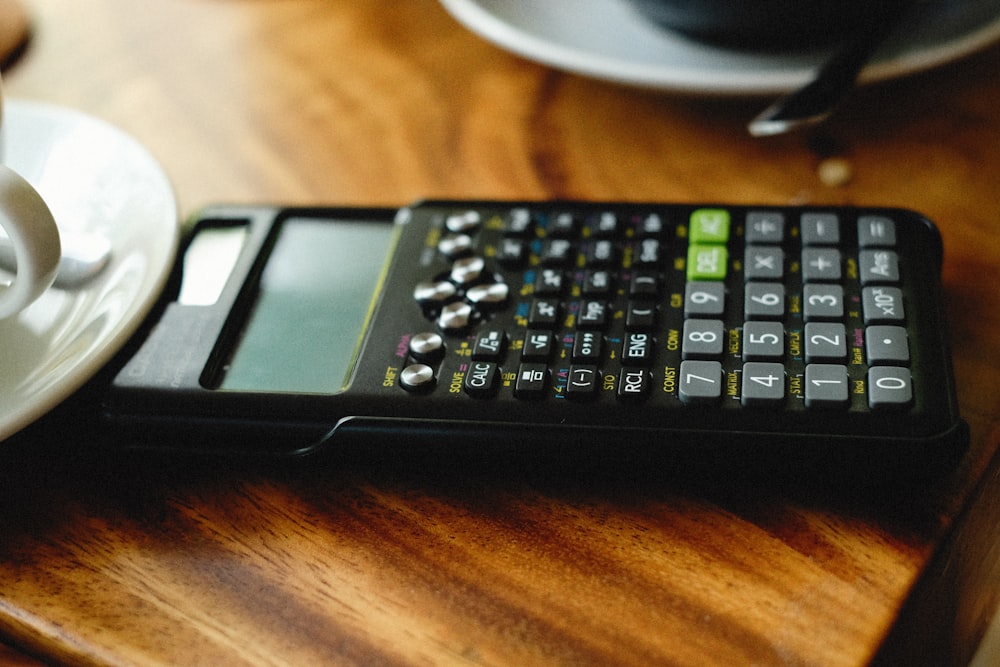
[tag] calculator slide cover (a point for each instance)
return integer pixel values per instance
(545, 324)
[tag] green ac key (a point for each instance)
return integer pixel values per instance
(709, 225)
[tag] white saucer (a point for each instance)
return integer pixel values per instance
(97, 180)
(609, 40)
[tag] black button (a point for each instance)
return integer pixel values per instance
(644, 283)
(637, 349)
(647, 252)
(531, 381)
(512, 252)
(640, 315)
(603, 225)
(601, 252)
(562, 225)
(557, 252)
(489, 345)
(633, 384)
(597, 283)
(543, 313)
(481, 379)
(582, 381)
(548, 282)
(592, 315)
(587, 346)
(651, 225)
(538, 345)
(519, 223)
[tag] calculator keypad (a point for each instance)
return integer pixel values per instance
(750, 309)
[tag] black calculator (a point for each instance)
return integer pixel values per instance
(541, 323)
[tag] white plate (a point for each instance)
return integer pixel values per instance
(607, 39)
(97, 180)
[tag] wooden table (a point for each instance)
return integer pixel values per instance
(191, 561)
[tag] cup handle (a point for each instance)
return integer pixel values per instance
(35, 240)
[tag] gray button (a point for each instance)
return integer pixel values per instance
(826, 386)
(876, 231)
(825, 342)
(700, 382)
(878, 267)
(765, 227)
(889, 387)
(702, 339)
(764, 301)
(885, 344)
(820, 264)
(820, 229)
(763, 341)
(763, 263)
(822, 302)
(703, 297)
(882, 305)
(763, 384)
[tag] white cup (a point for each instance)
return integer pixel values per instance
(32, 237)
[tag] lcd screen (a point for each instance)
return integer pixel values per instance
(314, 297)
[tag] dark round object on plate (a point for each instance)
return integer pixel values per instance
(766, 25)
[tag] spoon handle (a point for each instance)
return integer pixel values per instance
(816, 100)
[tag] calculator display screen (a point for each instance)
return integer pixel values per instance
(314, 295)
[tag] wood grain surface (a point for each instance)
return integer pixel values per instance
(131, 560)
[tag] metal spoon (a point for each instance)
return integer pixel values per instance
(814, 102)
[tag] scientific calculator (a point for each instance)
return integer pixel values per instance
(660, 325)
